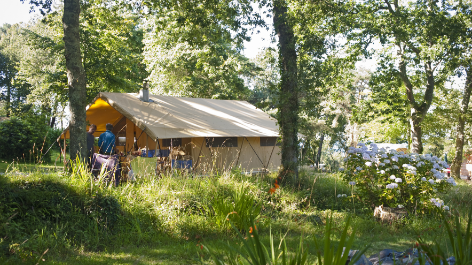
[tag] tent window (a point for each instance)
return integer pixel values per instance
(175, 142)
(270, 141)
(222, 142)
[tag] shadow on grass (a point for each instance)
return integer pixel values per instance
(39, 214)
(80, 225)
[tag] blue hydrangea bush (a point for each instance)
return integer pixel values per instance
(395, 179)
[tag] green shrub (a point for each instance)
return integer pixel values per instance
(240, 208)
(23, 140)
(395, 179)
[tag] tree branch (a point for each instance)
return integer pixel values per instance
(428, 95)
(389, 6)
(406, 81)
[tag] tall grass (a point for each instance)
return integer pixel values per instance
(56, 216)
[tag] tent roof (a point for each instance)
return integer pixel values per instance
(176, 117)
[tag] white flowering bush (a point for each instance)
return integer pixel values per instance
(391, 178)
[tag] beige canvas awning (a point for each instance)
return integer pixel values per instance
(175, 117)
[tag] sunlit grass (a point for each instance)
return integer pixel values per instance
(163, 219)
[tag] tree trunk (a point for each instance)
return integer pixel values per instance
(288, 96)
(418, 111)
(76, 79)
(416, 132)
(318, 157)
(8, 101)
(457, 163)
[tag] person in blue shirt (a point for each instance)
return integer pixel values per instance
(106, 141)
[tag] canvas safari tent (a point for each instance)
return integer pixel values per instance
(213, 134)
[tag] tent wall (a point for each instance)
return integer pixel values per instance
(249, 153)
(224, 158)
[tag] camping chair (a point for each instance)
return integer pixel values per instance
(110, 165)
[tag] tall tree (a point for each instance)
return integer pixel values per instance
(288, 106)
(76, 79)
(12, 92)
(213, 69)
(463, 16)
(75, 72)
(417, 37)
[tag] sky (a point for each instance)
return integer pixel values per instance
(13, 11)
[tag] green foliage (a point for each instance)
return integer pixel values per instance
(12, 92)
(25, 140)
(460, 240)
(210, 70)
(112, 41)
(104, 209)
(409, 180)
(330, 256)
(194, 50)
(254, 251)
(240, 208)
(39, 213)
(175, 213)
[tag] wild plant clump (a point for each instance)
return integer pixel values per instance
(394, 179)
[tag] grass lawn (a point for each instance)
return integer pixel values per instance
(165, 220)
(24, 165)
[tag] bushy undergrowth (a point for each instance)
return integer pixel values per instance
(39, 213)
(394, 179)
(43, 216)
(26, 140)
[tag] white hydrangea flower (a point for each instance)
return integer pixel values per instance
(382, 172)
(431, 181)
(392, 186)
(446, 208)
(392, 177)
(423, 179)
(395, 158)
(395, 167)
(381, 164)
(398, 180)
(369, 164)
(437, 202)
